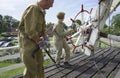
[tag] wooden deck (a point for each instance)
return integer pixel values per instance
(104, 63)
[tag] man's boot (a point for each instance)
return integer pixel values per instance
(67, 64)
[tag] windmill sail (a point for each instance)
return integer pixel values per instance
(115, 4)
(105, 8)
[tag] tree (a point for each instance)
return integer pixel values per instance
(74, 26)
(7, 23)
(78, 21)
(116, 24)
(49, 27)
(1, 24)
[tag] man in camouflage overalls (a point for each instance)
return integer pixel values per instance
(31, 29)
(60, 39)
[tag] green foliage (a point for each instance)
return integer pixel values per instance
(116, 21)
(78, 21)
(65, 27)
(73, 26)
(7, 23)
(49, 25)
(1, 23)
(115, 26)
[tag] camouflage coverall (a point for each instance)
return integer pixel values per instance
(60, 41)
(32, 24)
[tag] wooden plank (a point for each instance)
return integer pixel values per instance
(65, 71)
(110, 66)
(115, 71)
(92, 69)
(104, 63)
(81, 67)
(58, 71)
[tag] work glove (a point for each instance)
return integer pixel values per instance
(47, 42)
(44, 43)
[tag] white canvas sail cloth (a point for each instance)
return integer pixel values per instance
(104, 10)
(115, 4)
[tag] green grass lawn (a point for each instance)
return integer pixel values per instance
(5, 64)
(15, 72)
(12, 73)
(106, 45)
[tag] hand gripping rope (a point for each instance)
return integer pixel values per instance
(45, 45)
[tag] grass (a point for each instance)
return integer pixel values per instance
(106, 45)
(18, 71)
(47, 62)
(12, 73)
(1, 36)
(5, 64)
(51, 38)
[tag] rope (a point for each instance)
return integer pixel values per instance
(48, 53)
(97, 67)
(57, 65)
(99, 19)
(109, 31)
(97, 39)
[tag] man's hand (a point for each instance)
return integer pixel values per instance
(44, 43)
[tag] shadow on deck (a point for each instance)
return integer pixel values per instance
(103, 64)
